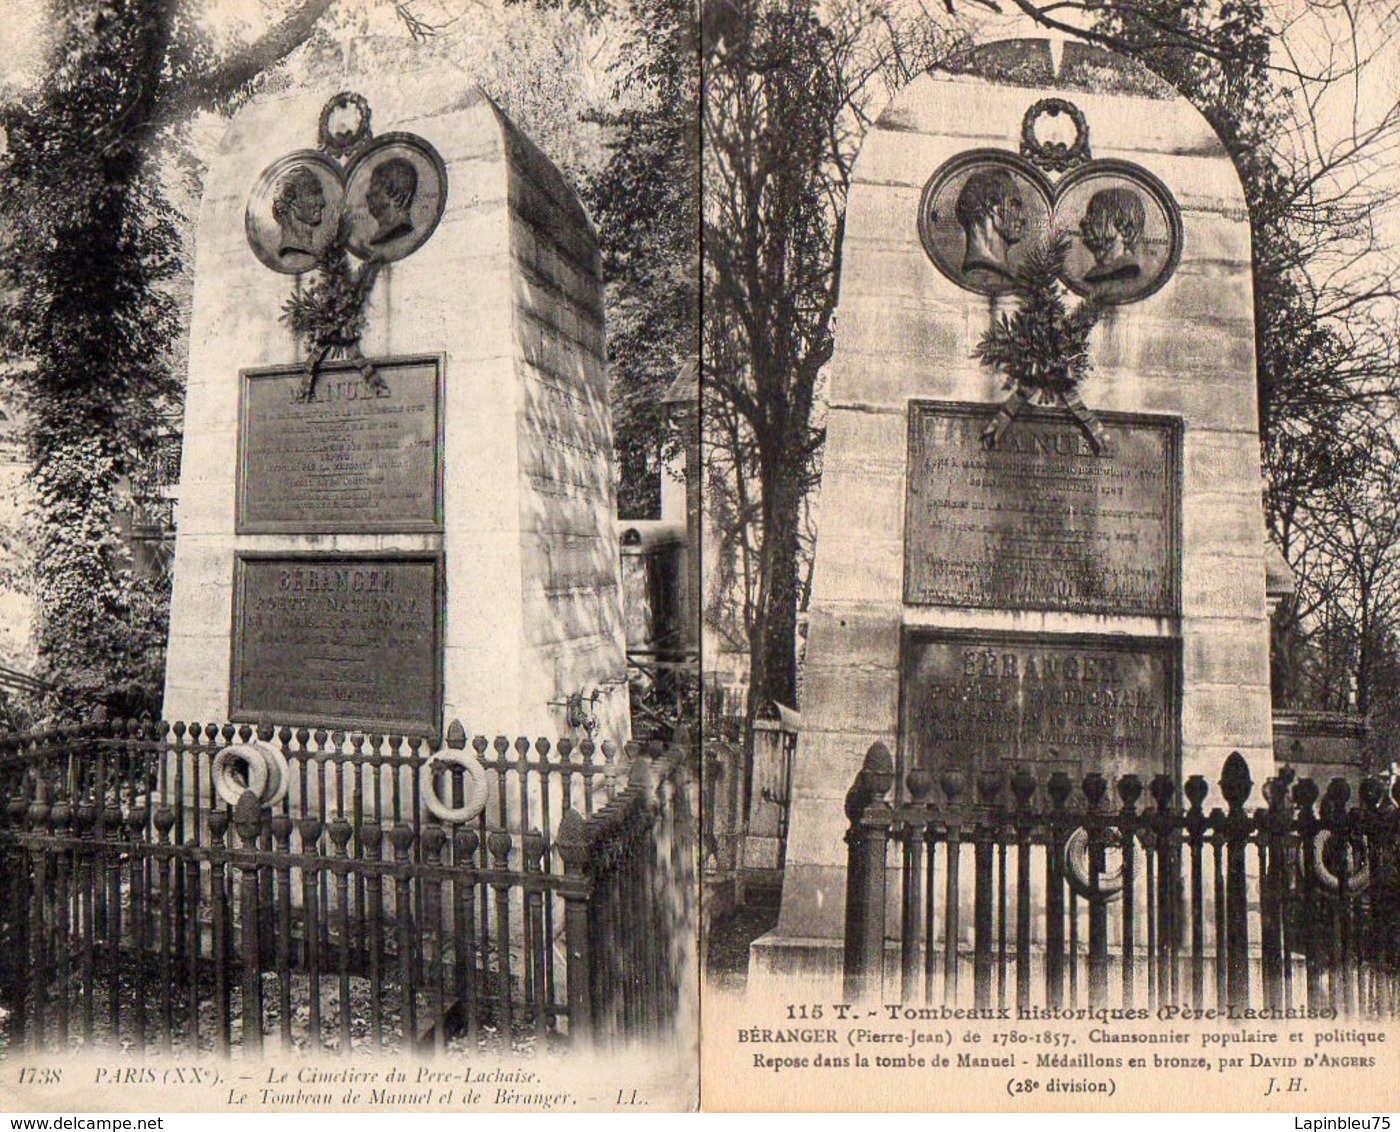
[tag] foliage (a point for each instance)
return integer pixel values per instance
(773, 227)
(646, 203)
(788, 92)
(1338, 632)
(89, 318)
(1041, 347)
(104, 628)
(329, 314)
(89, 313)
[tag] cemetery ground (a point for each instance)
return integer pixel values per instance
(727, 945)
(371, 1022)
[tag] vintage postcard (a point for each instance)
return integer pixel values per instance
(1050, 436)
(350, 755)
(532, 585)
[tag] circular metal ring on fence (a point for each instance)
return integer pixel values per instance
(229, 761)
(1335, 854)
(264, 769)
(477, 785)
(279, 775)
(1110, 880)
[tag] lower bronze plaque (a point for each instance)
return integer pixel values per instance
(1042, 521)
(1074, 703)
(354, 456)
(350, 641)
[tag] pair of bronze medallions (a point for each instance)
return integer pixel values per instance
(389, 194)
(982, 211)
(979, 214)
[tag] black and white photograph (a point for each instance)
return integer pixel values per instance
(729, 556)
(1049, 392)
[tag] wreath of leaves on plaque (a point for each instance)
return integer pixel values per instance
(1042, 349)
(1055, 156)
(339, 144)
(329, 315)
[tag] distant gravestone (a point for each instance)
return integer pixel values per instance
(1071, 580)
(397, 492)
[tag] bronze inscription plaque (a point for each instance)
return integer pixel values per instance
(1042, 521)
(354, 457)
(1074, 703)
(351, 641)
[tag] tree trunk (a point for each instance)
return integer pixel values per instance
(773, 644)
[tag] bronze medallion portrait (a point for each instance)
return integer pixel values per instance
(1124, 229)
(293, 210)
(394, 196)
(978, 215)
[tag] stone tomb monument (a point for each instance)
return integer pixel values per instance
(1016, 565)
(397, 491)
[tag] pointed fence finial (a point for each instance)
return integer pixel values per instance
(1235, 781)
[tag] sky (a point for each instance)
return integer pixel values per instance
(1315, 37)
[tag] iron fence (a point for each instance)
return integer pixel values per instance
(1291, 909)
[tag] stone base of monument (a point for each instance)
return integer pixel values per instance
(779, 962)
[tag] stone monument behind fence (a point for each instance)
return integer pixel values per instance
(397, 489)
(1073, 586)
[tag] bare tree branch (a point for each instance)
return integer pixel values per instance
(244, 65)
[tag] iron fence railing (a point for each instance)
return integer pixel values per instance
(1049, 894)
(202, 887)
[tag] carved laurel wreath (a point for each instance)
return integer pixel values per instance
(1055, 157)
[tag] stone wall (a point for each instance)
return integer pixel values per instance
(572, 582)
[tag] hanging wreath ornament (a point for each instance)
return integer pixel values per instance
(1055, 156)
(1042, 349)
(338, 137)
(476, 785)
